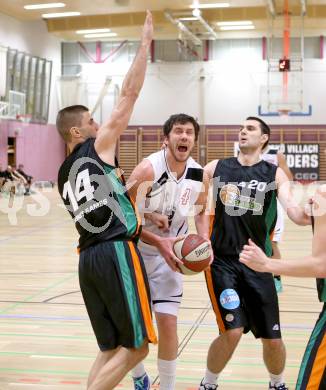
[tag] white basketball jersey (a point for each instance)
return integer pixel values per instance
(171, 197)
(270, 156)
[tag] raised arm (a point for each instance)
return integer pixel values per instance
(109, 132)
(285, 195)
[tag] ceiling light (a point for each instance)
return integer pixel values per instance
(93, 31)
(104, 35)
(188, 18)
(60, 15)
(196, 12)
(213, 5)
(43, 6)
(236, 23)
(226, 28)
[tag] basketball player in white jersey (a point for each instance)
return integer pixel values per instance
(277, 158)
(169, 183)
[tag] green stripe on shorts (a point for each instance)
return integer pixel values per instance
(129, 288)
(318, 328)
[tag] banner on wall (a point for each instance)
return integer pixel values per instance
(3, 72)
(302, 159)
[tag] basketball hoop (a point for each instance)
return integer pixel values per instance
(26, 118)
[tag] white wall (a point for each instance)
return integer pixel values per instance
(33, 38)
(222, 92)
(216, 92)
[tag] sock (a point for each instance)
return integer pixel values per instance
(167, 373)
(210, 377)
(138, 370)
(276, 380)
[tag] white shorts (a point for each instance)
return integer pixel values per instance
(165, 285)
(279, 226)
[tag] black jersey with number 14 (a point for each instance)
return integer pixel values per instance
(95, 196)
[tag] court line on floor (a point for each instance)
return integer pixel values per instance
(85, 318)
(59, 296)
(46, 302)
(44, 318)
(38, 335)
(26, 300)
(36, 371)
(28, 231)
(36, 273)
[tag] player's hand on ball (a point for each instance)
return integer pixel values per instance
(165, 247)
(195, 252)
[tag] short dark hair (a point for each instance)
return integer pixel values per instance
(182, 119)
(69, 117)
(265, 129)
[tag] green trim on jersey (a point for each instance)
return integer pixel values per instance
(130, 292)
(320, 325)
(125, 204)
(322, 292)
(270, 217)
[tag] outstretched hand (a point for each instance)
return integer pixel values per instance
(148, 29)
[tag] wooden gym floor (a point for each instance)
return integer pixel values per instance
(46, 341)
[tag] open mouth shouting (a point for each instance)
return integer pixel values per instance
(182, 148)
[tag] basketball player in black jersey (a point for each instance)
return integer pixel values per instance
(312, 374)
(245, 190)
(111, 273)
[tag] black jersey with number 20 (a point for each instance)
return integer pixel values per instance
(245, 206)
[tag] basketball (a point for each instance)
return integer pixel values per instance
(195, 253)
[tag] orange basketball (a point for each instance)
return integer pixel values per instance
(195, 252)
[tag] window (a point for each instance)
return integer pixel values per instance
(32, 76)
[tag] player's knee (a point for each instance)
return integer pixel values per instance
(141, 352)
(233, 336)
(167, 325)
(273, 344)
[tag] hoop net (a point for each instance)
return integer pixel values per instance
(284, 111)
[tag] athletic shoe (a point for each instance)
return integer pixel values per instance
(278, 285)
(279, 387)
(142, 383)
(207, 386)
